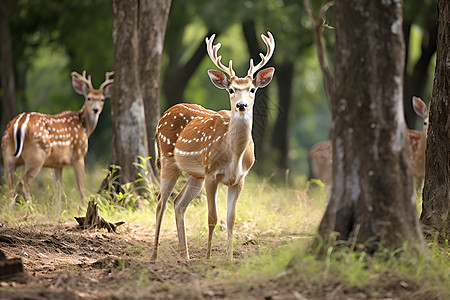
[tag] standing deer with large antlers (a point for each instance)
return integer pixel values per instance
(320, 155)
(211, 147)
(54, 141)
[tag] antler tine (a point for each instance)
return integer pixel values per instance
(270, 43)
(83, 78)
(212, 52)
(107, 81)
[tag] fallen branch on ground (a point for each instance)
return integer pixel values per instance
(93, 219)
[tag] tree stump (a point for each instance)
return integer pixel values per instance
(93, 219)
(10, 267)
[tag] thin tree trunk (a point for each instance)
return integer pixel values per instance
(6, 68)
(152, 27)
(372, 181)
(281, 131)
(436, 192)
(181, 73)
(127, 106)
(261, 113)
(8, 90)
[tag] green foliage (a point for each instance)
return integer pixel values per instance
(52, 38)
(49, 82)
(143, 183)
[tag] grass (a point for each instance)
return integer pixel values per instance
(279, 219)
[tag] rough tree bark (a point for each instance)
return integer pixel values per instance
(8, 95)
(129, 136)
(372, 200)
(152, 27)
(436, 192)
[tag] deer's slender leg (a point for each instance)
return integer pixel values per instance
(168, 180)
(10, 167)
(32, 168)
(211, 194)
(232, 197)
(191, 189)
(57, 179)
(78, 168)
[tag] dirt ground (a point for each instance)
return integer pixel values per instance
(62, 262)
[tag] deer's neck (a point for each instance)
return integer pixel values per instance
(89, 120)
(240, 132)
(421, 146)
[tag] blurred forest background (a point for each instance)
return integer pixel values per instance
(52, 38)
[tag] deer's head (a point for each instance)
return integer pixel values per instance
(421, 110)
(94, 99)
(241, 90)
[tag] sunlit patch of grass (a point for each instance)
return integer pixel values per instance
(427, 272)
(44, 197)
(263, 210)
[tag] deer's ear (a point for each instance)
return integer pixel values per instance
(79, 86)
(264, 77)
(219, 79)
(420, 107)
(107, 92)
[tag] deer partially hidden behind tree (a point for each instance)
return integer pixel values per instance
(211, 147)
(38, 140)
(320, 155)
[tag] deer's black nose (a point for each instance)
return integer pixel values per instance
(95, 110)
(241, 106)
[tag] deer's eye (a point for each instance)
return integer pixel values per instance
(425, 123)
(252, 90)
(231, 91)
(89, 98)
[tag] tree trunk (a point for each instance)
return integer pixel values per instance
(8, 93)
(436, 192)
(129, 135)
(372, 192)
(152, 27)
(181, 73)
(6, 68)
(280, 135)
(261, 113)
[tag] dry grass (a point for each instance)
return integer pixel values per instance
(274, 226)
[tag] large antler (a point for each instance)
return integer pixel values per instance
(270, 43)
(107, 81)
(212, 52)
(83, 78)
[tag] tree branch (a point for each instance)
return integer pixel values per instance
(316, 25)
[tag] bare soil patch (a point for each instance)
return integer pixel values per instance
(63, 262)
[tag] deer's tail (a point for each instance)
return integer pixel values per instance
(19, 134)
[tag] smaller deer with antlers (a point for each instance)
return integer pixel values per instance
(38, 140)
(211, 147)
(320, 155)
